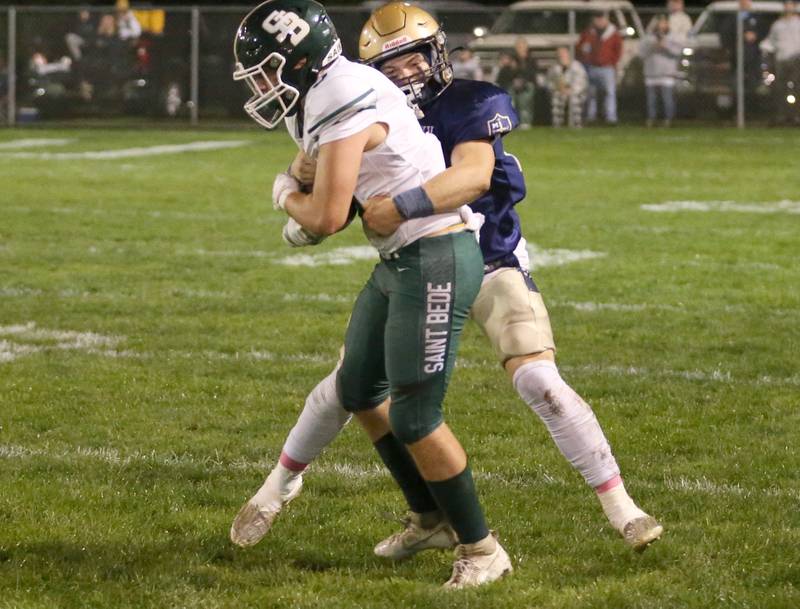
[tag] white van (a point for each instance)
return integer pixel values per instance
(548, 24)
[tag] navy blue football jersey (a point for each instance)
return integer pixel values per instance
(471, 110)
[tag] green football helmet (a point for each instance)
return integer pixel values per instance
(280, 48)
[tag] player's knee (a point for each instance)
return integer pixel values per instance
(556, 403)
(539, 382)
(416, 411)
(409, 427)
(326, 406)
(353, 396)
(324, 398)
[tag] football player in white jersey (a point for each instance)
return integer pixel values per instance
(403, 335)
(408, 44)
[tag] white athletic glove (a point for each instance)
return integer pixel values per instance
(295, 235)
(282, 187)
(472, 219)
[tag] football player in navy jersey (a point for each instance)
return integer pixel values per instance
(470, 119)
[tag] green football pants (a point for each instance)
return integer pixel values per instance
(404, 332)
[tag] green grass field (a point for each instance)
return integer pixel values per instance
(156, 345)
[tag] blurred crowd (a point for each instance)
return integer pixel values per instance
(582, 83)
(104, 50)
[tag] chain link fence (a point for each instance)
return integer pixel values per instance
(63, 64)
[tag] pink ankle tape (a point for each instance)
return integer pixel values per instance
(291, 464)
(607, 486)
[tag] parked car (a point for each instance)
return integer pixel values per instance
(708, 65)
(548, 24)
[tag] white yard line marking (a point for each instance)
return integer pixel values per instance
(81, 340)
(707, 376)
(10, 351)
(594, 307)
(229, 253)
(9, 292)
(127, 153)
(200, 294)
(102, 346)
(351, 471)
(778, 207)
(34, 143)
(738, 265)
(318, 298)
(116, 211)
(711, 376)
(556, 257)
(26, 339)
(337, 257)
(599, 307)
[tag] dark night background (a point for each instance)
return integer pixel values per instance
(242, 3)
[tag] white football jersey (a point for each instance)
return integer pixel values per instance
(349, 97)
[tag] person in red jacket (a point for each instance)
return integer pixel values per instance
(600, 49)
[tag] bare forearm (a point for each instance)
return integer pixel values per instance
(468, 177)
(456, 186)
(300, 206)
(314, 214)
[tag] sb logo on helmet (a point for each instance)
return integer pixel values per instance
(286, 25)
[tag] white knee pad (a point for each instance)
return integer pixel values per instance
(570, 421)
(322, 419)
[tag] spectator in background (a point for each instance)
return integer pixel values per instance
(466, 65)
(106, 62)
(752, 52)
(784, 41)
(504, 71)
(680, 24)
(128, 26)
(600, 49)
(81, 35)
(568, 84)
(107, 43)
(40, 65)
(524, 85)
(660, 51)
(516, 74)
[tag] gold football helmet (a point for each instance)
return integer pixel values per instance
(400, 28)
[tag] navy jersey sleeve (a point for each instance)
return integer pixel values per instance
(487, 114)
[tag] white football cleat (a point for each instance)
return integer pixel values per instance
(640, 532)
(255, 518)
(414, 538)
(474, 567)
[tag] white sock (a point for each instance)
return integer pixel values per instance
(570, 421)
(619, 507)
(321, 420)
